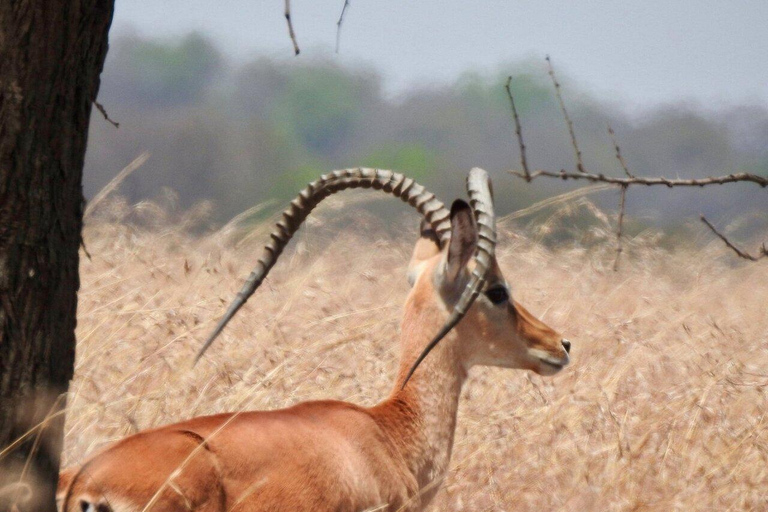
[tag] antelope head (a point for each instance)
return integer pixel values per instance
(496, 330)
(453, 264)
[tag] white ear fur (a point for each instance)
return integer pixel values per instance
(427, 246)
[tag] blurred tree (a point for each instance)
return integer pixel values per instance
(322, 106)
(51, 55)
(257, 131)
(153, 73)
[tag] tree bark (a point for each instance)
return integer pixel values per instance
(51, 55)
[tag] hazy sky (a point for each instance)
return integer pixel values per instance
(638, 52)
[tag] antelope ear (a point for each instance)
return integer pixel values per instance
(463, 240)
(427, 246)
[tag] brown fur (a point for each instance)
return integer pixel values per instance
(327, 455)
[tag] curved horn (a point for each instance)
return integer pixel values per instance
(481, 199)
(390, 182)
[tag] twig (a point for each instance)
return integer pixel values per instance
(518, 131)
(579, 161)
(622, 200)
(290, 27)
(619, 156)
(742, 254)
(338, 24)
(103, 111)
(85, 249)
(635, 180)
(619, 227)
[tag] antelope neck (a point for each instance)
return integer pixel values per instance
(424, 412)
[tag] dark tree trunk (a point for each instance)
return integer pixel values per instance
(51, 56)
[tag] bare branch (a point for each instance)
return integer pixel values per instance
(290, 27)
(674, 182)
(620, 226)
(624, 182)
(619, 156)
(579, 161)
(103, 111)
(742, 254)
(338, 24)
(518, 131)
(85, 249)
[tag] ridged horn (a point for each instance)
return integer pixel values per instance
(390, 182)
(481, 200)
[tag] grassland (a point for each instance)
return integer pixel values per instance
(662, 409)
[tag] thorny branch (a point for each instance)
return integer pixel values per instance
(290, 27)
(103, 111)
(579, 162)
(623, 182)
(619, 156)
(619, 227)
(742, 254)
(674, 182)
(518, 131)
(338, 24)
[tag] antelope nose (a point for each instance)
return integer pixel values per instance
(567, 346)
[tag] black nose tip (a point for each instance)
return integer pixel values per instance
(567, 346)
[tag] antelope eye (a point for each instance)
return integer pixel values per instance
(498, 295)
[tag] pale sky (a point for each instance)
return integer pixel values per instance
(640, 53)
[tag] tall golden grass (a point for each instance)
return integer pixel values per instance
(663, 407)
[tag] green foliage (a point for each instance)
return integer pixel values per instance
(481, 93)
(414, 159)
(287, 184)
(320, 106)
(158, 73)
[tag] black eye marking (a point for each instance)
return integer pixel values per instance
(498, 295)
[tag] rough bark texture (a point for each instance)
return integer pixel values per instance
(51, 56)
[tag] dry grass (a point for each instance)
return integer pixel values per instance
(663, 408)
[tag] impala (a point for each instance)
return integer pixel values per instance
(332, 455)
